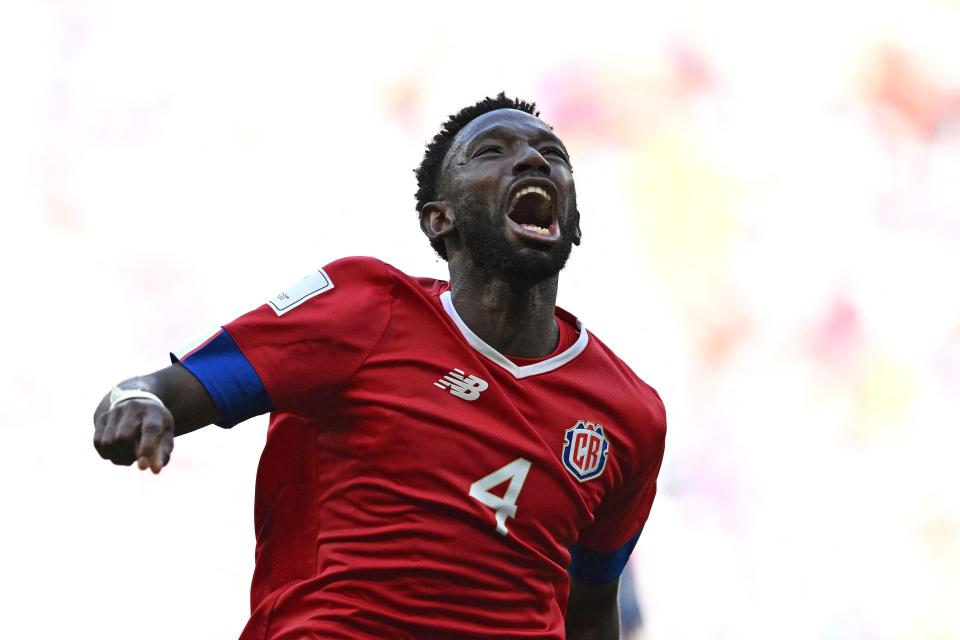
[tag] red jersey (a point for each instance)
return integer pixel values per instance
(415, 482)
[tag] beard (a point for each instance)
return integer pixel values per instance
(491, 251)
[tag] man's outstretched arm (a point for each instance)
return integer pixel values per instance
(142, 431)
(592, 612)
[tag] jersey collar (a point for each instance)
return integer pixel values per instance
(496, 357)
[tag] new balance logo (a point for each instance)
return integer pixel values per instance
(462, 385)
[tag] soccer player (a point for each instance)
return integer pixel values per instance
(455, 459)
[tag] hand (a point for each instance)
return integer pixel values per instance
(135, 430)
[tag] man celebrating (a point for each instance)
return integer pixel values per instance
(444, 460)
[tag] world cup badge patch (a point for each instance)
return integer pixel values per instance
(585, 450)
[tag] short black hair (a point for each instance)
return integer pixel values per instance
(428, 173)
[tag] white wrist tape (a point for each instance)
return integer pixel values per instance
(118, 395)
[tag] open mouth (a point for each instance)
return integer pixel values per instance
(532, 212)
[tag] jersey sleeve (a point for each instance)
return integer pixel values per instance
(300, 347)
(605, 546)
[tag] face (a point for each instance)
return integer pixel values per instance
(508, 180)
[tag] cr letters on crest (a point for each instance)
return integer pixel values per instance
(585, 449)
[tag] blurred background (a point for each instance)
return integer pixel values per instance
(771, 212)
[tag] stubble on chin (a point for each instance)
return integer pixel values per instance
(491, 251)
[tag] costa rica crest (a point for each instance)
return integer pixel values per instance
(585, 450)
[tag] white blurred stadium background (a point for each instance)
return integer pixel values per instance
(771, 202)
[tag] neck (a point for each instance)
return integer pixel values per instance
(515, 319)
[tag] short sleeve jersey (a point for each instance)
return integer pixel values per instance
(416, 483)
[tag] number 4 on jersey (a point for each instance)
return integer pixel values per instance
(506, 507)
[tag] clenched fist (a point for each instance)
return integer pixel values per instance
(135, 430)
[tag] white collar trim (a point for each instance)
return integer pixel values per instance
(496, 357)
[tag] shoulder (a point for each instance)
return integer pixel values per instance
(361, 272)
(373, 271)
(361, 275)
(357, 284)
(638, 398)
(344, 281)
(362, 268)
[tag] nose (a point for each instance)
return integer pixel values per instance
(529, 159)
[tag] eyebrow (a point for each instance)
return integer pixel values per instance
(501, 131)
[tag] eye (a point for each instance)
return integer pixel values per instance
(487, 150)
(554, 151)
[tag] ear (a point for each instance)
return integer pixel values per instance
(577, 235)
(437, 219)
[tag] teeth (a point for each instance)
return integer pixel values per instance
(527, 190)
(536, 229)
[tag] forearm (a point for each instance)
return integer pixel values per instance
(592, 612)
(182, 394)
(594, 625)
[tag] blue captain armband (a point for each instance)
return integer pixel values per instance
(229, 378)
(599, 567)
